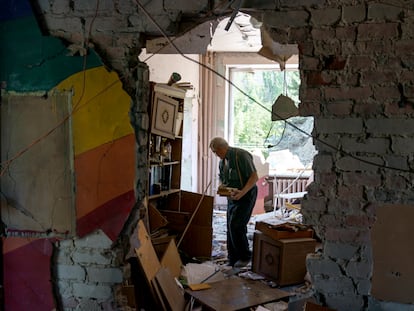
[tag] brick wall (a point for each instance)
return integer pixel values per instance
(86, 273)
(357, 81)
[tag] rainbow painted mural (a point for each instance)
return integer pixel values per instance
(103, 144)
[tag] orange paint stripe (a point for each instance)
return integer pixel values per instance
(104, 173)
(10, 244)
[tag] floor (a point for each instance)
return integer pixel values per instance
(300, 292)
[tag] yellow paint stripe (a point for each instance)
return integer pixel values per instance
(101, 108)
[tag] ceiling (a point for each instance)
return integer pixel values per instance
(242, 36)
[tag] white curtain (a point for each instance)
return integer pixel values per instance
(206, 124)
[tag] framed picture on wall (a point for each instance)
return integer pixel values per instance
(164, 115)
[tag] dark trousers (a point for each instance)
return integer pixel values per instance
(238, 216)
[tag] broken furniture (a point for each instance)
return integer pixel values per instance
(173, 215)
(178, 209)
(280, 254)
(159, 273)
(187, 216)
(236, 293)
(229, 294)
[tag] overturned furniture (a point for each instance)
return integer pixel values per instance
(225, 294)
(237, 293)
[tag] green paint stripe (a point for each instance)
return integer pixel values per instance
(32, 62)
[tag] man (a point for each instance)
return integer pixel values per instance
(237, 172)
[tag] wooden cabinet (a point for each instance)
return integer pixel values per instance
(284, 260)
(180, 209)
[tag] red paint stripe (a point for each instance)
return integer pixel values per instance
(27, 279)
(104, 173)
(110, 217)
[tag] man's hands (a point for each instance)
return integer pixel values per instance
(236, 194)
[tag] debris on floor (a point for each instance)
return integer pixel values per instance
(279, 224)
(175, 284)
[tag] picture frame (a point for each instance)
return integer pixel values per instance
(164, 115)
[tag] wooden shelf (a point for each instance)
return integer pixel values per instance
(165, 163)
(173, 204)
(163, 194)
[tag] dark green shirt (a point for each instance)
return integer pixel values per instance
(236, 168)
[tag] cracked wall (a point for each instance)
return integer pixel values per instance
(357, 81)
(85, 274)
(353, 59)
(98, 147)
(36, 181)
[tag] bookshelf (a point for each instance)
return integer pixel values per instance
(164, 183)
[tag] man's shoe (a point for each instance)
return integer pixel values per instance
(241, 263)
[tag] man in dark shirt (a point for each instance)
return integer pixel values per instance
(237, 171)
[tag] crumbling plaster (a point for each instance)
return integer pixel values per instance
(357, 81)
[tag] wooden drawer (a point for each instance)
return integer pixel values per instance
(272, 232)
(283, 261)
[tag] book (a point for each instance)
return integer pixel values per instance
(225, 191)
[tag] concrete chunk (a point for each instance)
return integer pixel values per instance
(98, 240)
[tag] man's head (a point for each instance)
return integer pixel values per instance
(219, 146)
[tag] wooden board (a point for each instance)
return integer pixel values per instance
(128, 292)
(146, 254)
(171, 293)
(237, 293)
(274, 233)
(310, 306)
(393, 254)
(161, 244)
(198, 239)
(171, 259)
(156, 220)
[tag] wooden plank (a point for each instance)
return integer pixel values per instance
(393, 253)
(129, 292)
(146, 253)
(274, 233)
(310, 306)
(156, 220)
(204, 215)
(236, 294)
(198, 242)
(158, 294)
(171, 259)
(161, 243)
(171, 293)
(176, 220)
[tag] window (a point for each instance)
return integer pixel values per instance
(249, 123)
